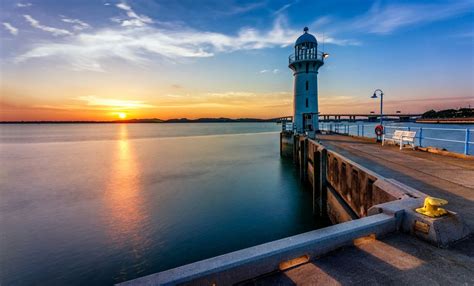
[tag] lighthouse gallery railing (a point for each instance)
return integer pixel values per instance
(308, 55)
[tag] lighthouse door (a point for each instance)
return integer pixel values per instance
(307, 122)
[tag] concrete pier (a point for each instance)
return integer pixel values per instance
(435, 175)
(399, 258)
(370, 193)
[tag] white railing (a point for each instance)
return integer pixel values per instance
(306, 56)
(459, 137)
(287, 126)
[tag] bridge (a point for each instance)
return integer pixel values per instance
(359, 116)
(369, 116)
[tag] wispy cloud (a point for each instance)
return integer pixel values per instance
(78, 25)
(134, 19)
(113, 103)
(139, 40)
(12, 30)
(387, 19)
(274, 71)
(24, 5)
(239, 9)
(55, 31)
(285, 7)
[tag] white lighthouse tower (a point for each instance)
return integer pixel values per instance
(305, 63)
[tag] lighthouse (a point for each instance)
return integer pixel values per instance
(305, 63)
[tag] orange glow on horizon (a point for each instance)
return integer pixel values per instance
(16, 104)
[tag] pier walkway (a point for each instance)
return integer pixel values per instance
(399, 258)
(436, 175)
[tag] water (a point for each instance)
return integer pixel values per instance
(98, 204)
(451, 137)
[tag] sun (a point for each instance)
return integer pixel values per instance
(122, 115)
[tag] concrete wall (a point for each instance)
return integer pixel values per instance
(245, 264)
(286, 144)
(342, 189)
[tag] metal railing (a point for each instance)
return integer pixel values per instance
(454, 139)
(305, 56)
(287, 126)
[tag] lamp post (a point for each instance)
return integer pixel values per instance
(381, 103)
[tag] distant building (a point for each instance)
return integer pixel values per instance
(305, 63)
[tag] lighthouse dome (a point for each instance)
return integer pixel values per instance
(306, 38)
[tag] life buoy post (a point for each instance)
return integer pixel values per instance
(379, 131)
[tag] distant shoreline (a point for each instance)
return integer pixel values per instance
(183, 120)
(469, 120)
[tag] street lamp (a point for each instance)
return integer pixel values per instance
(381, 103)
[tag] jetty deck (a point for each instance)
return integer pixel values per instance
(399, 258)
(436, 175)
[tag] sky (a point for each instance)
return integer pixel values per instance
(99, 59)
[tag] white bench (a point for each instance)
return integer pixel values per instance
(401, 137)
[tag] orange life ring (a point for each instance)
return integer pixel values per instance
(379, 130)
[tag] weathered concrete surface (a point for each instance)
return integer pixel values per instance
(436, 175)
(265, 258)
(396, 260)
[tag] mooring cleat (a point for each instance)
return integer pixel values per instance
(431, 207)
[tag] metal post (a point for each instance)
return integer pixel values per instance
(381, 108)
(466, 145)
(362, 130)
(358, 127)
(421, 137)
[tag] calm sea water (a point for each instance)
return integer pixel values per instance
(103, 203)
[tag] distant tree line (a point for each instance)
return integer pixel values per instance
(450, 113)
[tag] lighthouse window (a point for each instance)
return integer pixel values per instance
(307, 85)
(306, 103)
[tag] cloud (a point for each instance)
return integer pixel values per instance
(24, 5)
(139, 42)
(387, 19)
(135, 19)
(114, 103)
(55, 31)
(274, 71)
(232, 10)
(231, 94)
(285, 7)
(12, 30)
(78, 24)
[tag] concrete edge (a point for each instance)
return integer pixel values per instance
(342, 157)
(441, 231)
(265, 258)
(441, 152)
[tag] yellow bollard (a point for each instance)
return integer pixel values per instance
(431, 207)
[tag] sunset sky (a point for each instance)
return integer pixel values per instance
(102, 59)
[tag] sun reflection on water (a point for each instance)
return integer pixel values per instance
(125, 216)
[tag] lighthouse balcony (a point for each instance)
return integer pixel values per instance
(308, 56)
